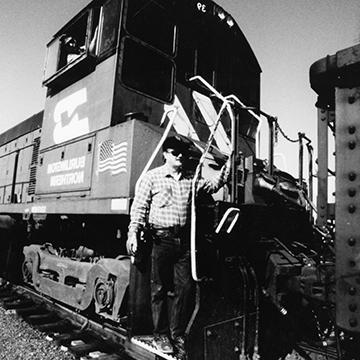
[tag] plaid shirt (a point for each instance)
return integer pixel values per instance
(166, 199)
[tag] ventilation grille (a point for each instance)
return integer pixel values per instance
(33, 166)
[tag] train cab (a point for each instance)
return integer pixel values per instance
(114, 74)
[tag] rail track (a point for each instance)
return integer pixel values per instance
(85, 338)
(89, 339)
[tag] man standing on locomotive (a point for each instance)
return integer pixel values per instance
(162, 201)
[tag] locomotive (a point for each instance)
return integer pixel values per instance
(121, 76)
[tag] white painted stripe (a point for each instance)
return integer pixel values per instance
(120, 151)
(120, 156)
(114, 169)
(122, 144)
(113, 163)
(114, 172)
(105, 162)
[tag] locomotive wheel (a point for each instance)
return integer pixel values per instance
(27, 271)
(103, 294)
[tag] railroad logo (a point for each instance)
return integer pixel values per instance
(112, 157)
(68, 124)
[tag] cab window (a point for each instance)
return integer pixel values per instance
(151, 21)
(73, 42)
(87, 39)
(110, 19)
(147, 71)
(148, 48)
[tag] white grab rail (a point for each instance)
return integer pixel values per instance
(226, 105)
(224, 218)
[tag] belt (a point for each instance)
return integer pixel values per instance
(176, 229)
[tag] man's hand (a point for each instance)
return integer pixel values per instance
(131, 243)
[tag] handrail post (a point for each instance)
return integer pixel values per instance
(311, 195)
(271, 122)
(301, 157)
(234, 173)
(311, 171)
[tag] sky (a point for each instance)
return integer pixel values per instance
(287, 36)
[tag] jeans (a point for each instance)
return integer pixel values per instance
(170, 277)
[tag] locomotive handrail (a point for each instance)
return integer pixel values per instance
(310, 170)
(250, 111)
(245, 281)
(256, 116)
(225, 105)
(227, 102)
(210, 87)
(194, 271)
(256, 355)
(310, 177)
(300, 136)
(308, 198)
(311, 204)
(224, 218)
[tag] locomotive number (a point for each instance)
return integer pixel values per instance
(68, 125)
(201, 7)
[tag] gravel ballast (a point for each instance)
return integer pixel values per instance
(19, 341)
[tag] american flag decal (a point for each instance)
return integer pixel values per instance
(112, 157)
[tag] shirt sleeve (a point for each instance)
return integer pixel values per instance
(140, 205)
(214, 184)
